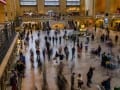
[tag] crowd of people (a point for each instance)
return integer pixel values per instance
(63, 52)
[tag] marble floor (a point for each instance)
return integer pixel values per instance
(33, 79)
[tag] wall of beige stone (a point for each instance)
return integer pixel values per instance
(100, 6)
(2, 13)
(42, 9)
(114, 5)
(8, 11)
(109, 6)
(14, 9)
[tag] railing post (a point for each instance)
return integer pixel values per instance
(1, 84)
(6, 32)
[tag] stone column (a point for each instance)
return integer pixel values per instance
(40, 6)
(15, 8)
(2, 13)
(62, 6)
(8, 9)
(89, 7)
(94, 10)
(82, 7)
(108, 3)
(18, 10)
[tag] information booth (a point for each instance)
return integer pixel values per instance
(99, 21)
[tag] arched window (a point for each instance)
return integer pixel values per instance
(28, 2)
(73, 2)
(51, 2)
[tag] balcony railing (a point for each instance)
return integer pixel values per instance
(7, 35)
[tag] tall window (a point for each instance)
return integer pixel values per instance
(28, 2)
(73, 2)
(51, 2)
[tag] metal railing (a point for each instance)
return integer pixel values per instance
(8, 35)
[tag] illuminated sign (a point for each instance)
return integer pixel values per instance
(3, 1)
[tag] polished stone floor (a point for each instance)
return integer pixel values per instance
(33, 79)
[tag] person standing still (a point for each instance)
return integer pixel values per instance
(73, 52)
(89, 76)
(116, 39)
(107, 84)
(80, 81)
(72, 81)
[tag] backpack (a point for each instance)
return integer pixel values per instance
(61, 57)
(56, 55)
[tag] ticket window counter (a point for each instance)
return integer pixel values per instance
(115, 25)
(99, 23)
(82, 28)
(89, 23)
(80, 25)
